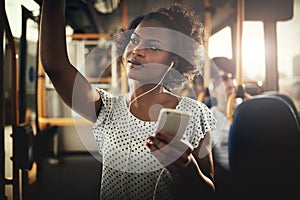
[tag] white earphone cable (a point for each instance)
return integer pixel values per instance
(157, 182)
(171, 65)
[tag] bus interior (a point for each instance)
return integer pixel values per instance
(45, 153)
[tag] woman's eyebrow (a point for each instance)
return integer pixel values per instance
(148, 40)
(155, 41)
(136, 35)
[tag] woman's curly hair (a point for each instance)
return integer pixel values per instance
(180, 19)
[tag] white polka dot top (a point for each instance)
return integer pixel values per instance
(130, 171)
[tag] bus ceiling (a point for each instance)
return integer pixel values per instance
(103, 16)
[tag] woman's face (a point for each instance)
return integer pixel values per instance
(147, 54)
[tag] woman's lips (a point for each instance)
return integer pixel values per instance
(133, 63)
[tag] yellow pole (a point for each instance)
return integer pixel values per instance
(208, 16)
(239, 73)
(239, 34)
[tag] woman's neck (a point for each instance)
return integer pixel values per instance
(146, 105)
(138, 90)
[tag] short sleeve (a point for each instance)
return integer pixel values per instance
(107, 106)
(202, 121)
(209, 121)
(103, 116)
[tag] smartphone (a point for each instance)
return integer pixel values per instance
(172, 121)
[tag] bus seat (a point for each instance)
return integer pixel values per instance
(264, 148)
(290, 102)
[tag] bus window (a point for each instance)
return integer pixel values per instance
(254, 63)
(288, 39)
(253, 49)
(220, 44)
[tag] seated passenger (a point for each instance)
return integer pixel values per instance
(223, 88)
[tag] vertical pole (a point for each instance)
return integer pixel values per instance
(124, 21)
(23, 56)
(272, 77)
(208, 16)
(239, 33)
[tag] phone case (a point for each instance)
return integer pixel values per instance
(173, 121)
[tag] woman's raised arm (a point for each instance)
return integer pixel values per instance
(72, 86)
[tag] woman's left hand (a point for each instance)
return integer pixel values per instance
(172, 152)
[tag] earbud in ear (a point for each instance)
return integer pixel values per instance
(172, 63)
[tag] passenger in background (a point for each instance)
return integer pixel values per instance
(138, 162)
(194, 89)
(201, 92)
(223, 87)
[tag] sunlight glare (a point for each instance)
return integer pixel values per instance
(253, 51)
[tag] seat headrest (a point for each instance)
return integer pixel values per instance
(264, 142)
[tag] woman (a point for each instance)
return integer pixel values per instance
(160, 52)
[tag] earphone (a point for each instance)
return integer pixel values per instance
(170, 67)
(129, 149)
